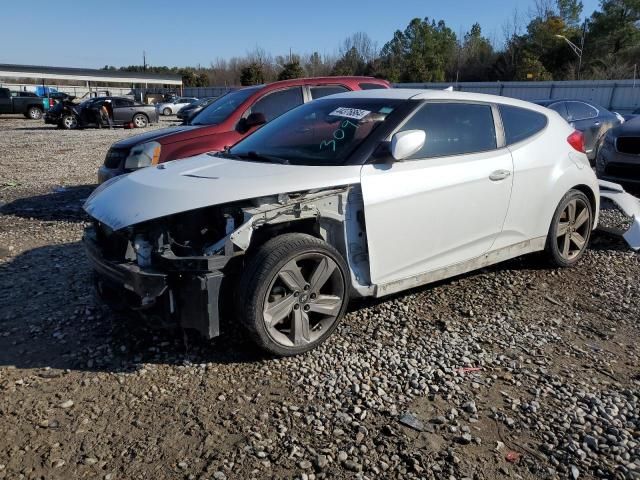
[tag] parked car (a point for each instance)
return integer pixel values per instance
(30, 107)
(69, 115)
(591, 119)
(191, 110)
(618, 157)
(357, 194)
(172, 107)
(227, 120)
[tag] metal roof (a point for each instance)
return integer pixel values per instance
(86, 74)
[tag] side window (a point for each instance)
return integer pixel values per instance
(454, 129)
(275, 104)
(561, 108)
(520, 123)
(581, 111)
(121, 102)
(4, 93)
(371, 86)
(324, 90)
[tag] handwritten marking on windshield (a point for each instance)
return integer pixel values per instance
(338, 134)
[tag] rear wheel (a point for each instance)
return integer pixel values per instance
(570, 229)
(293, 292)
(166, 111)
(34, 113)
(69, 122)
(140, 120)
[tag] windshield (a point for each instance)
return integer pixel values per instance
(323, 132)
(222, 107)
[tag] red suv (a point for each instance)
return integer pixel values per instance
(224, 122)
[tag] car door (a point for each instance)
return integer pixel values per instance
(5, 101)
(444, 205)
(584, 117)
(123, 110)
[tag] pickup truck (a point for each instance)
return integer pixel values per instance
(30, 107)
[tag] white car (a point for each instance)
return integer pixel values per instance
(358, 194)
(173, 107)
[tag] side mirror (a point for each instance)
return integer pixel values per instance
(253, 120)
(404, 144)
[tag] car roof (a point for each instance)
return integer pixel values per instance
(422, 94)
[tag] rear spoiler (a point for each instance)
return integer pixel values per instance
(630, 205)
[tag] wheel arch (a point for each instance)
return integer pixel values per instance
(590, 195)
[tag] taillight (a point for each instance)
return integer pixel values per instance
(51, 102)
(576, 140)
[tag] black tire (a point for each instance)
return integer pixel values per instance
(563, 230)
(257, 281)
(69, 122)
(166, 111)
(34, 113)
(140, 120)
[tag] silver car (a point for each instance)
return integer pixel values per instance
(171, 108)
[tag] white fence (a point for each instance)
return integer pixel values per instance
(617, 95)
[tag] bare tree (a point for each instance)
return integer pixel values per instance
(366, 48)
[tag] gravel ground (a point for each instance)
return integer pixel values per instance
(516, 371)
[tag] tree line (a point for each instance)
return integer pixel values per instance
(536, 46)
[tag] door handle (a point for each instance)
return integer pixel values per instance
(499, 175)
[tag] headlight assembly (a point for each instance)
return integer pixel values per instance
(143, 155)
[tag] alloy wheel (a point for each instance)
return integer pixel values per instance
(303, 300)
(70, 121)
(573, 227)
(139, 121)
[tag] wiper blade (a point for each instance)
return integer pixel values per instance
(253, 155)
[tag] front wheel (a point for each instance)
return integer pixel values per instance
(166, 111)
(69, 122)
(570, 229)
(293, 292)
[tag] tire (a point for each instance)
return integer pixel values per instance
(140, 120)
(34, 113)
(69, 122)
(167, 111)
(570, 232)
(279, 278)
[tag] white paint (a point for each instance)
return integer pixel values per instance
(202, 181)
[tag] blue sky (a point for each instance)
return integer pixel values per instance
(88, 33)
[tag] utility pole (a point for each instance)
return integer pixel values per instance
(144, 61)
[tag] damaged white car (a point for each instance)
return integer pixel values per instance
(358, 194)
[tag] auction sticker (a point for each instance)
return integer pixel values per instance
(354, 113)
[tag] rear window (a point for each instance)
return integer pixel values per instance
(581, 111)
(371, 86)
(325, 90)
(520, 123)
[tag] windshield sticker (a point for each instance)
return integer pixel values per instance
(339, 133)
(354, 113)
(385, 110)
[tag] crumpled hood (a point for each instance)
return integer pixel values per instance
(203, 181)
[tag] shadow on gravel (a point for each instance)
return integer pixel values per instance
(63, 203)
(49, 317)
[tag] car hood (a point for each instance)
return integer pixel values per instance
(203, 181)
(153, 135)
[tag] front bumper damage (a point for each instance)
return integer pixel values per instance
(186, 291)
(629, 205)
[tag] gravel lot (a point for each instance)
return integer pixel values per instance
(517, 371)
